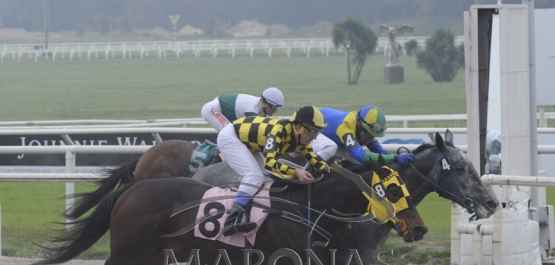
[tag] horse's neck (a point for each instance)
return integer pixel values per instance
(333, 193)
(416, 185)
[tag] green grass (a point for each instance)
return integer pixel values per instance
(177, 88)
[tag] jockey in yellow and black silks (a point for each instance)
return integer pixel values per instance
(250, 146)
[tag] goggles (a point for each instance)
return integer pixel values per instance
(311, 131)
(378, 128)
(374, 127)
(271, 106)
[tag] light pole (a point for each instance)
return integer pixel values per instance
(45, 24)
(174, 19)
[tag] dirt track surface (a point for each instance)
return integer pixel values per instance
(26, 261)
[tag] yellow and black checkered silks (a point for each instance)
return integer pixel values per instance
(274, 137)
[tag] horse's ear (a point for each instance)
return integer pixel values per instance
(377, 167)
(373, 164)
(449, 137)
(382, 161)
(440, 144)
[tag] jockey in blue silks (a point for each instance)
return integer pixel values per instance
(350, 131)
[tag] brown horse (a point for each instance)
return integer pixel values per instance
(166, 159)
(139, 217)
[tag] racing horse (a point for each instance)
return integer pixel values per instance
(143, 220)
(166, 159)
(458, 182)
(441, 168)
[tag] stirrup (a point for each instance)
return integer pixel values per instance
(243, 227)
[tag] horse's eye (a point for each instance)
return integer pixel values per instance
(394, 193)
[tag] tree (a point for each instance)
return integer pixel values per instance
(411, 47)
(358, 42)
(103, 24)
(441, 59)
(125, 23)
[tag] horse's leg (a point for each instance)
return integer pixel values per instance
(167, 159)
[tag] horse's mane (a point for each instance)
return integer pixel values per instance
(426, 146)
(354, 167)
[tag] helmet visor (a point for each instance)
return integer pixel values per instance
(374, 129)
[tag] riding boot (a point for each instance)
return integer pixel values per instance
(233, 222)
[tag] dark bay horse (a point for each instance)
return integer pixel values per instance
(458, 183)
(138, 216)
(439, 167)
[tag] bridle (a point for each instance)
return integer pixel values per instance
(446, 164)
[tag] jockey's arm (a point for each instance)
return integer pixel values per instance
(278, 169)
(313, 159)
(364, 156)
(376, 147)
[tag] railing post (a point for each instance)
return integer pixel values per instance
(455, 235)
(70, 186)
(0, 230)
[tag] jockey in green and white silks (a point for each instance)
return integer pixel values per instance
(226, 109)
(493, 152)
(350, 131)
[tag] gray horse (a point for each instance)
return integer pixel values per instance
(439, 167)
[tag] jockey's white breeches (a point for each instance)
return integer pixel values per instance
(324, 147)
(249, 164)
(212, 114)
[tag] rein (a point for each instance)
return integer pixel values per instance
(446, 164)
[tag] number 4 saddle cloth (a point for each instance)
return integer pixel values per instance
(213, 212)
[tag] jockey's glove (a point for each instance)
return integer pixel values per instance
(404, 159)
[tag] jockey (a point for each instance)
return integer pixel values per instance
(493, 152)
(350, 131)
(252, 141)
(228, 108)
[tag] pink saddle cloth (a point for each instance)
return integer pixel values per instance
(213, 212)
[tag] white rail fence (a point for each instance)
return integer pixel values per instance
(495, 228)
(155, 127)
(394, 121)
(162, 49)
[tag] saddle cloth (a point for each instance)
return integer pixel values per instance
(213, 212)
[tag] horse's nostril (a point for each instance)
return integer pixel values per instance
(420, 230)
(492, 204)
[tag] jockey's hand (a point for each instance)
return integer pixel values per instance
(405, 159)
(303, 175)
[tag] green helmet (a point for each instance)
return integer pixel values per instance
(309, 116)
(372, 119)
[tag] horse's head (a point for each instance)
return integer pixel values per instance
(387, 184)
(453, 176)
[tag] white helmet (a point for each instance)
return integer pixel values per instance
(273, 96)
